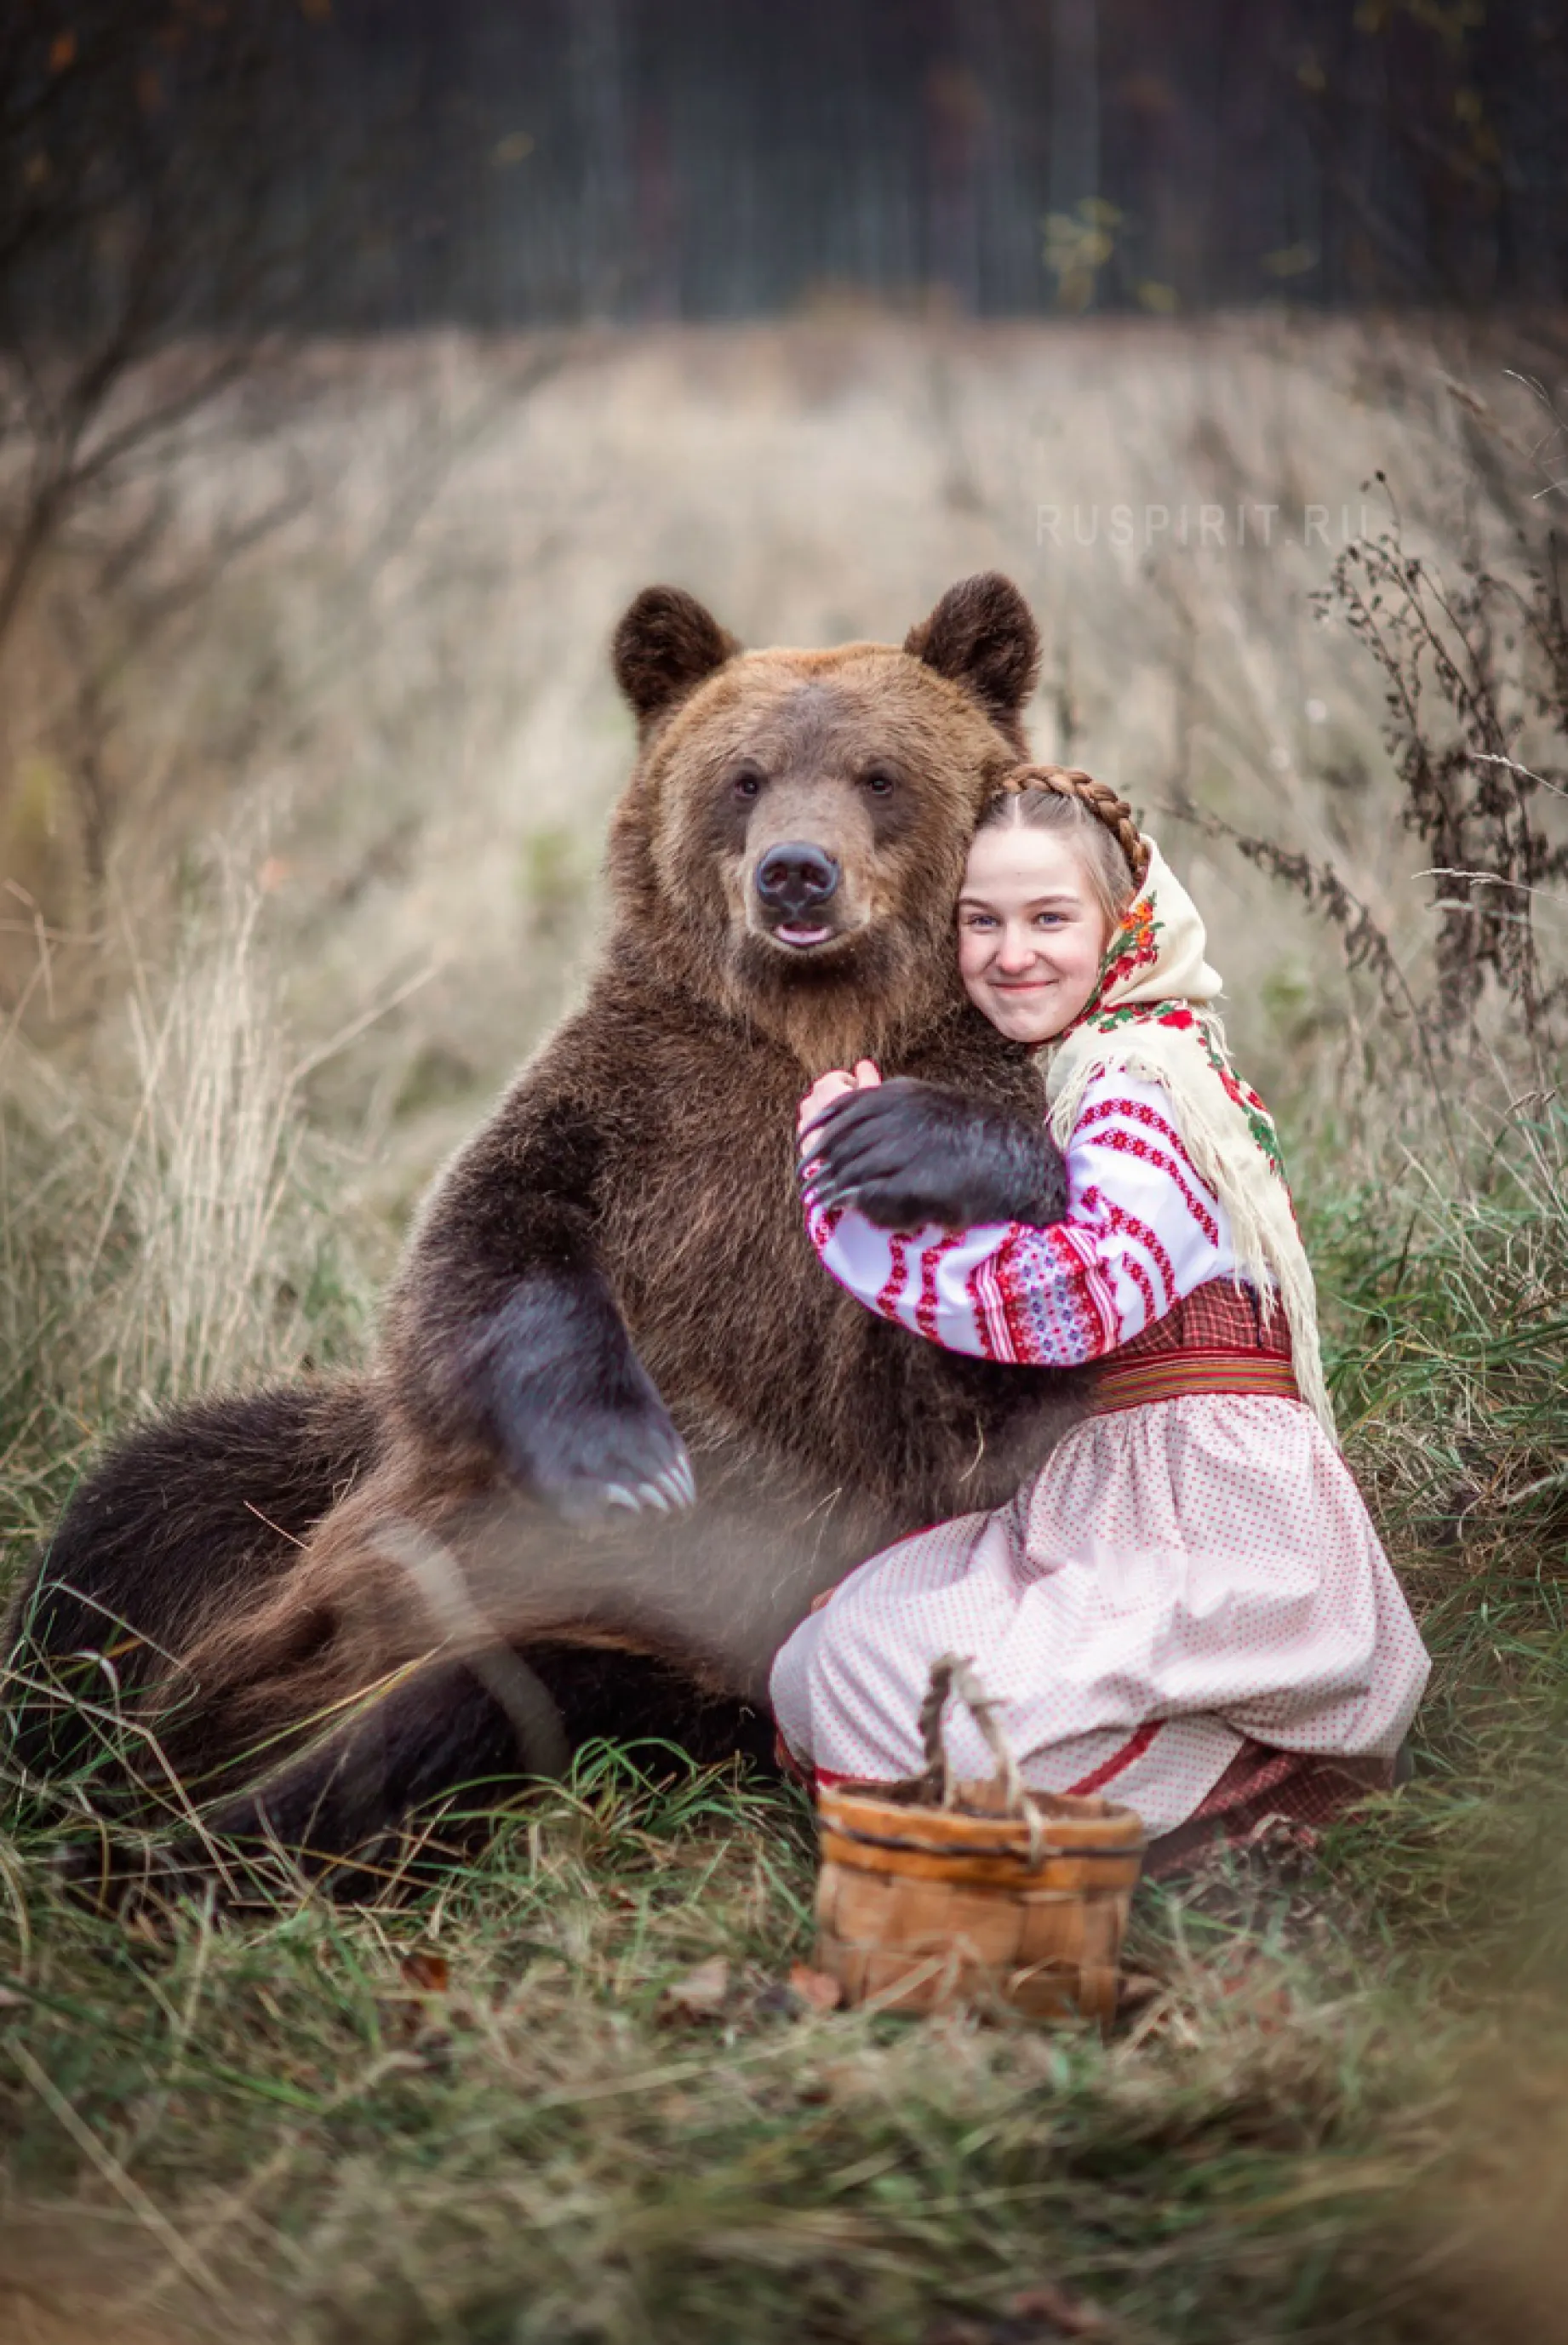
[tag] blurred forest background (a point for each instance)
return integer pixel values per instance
(359, 361)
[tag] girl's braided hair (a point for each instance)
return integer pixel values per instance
(1053, 797)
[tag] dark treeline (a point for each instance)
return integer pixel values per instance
(722, 157)
(499, 162)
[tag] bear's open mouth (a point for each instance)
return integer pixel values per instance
(800, 937)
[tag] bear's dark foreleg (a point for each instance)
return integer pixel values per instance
(330, 1813)
(503, 1332)
(552, 1376)
(487, 1724)
(906, 1153)
(337, 1811)
(615, 1693)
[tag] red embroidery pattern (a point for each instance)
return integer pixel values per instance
(1109, 1769)
(1051, 1300)
(926, 1307)
(1177, 1014)
(1128, 1145)
(1128, 1110)
(893, 1285)
(1135, 1270)
(822, 1221)
(1020, 1302)
(1129, 1226)
(990, 1308)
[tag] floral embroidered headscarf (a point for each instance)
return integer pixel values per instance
(1152, 1016)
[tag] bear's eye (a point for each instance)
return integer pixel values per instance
(879, 781)
(747, 782)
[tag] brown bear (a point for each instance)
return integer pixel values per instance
(320, 1607)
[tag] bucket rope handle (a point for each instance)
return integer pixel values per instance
(954, 1673)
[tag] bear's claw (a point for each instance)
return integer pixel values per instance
(621, 1464)
(574, 1413)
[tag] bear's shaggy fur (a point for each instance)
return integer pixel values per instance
(473, 1557)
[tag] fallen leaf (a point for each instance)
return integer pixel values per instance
(1136, 1989)
(408, 2017)
(1069, 2314)
(700, 1994)
(818, 1990)
(426, 1974)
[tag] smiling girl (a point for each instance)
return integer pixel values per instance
(1188, 1605)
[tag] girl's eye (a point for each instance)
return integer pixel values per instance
(748, 783)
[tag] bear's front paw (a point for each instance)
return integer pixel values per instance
(599, 1459)
(577, 1416)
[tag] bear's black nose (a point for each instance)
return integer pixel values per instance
(795, 877)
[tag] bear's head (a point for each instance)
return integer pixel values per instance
(791, 841)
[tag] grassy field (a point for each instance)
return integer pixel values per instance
(571, 2093)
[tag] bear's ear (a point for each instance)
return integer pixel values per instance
(663, 647)
(981, 635)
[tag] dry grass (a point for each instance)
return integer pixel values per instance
(167, 1226)
(488, 2119)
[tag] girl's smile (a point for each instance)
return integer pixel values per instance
(1031, 933)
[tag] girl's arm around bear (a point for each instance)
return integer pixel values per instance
(1141, 1231)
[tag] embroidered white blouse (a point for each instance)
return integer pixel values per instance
(1142, 1232)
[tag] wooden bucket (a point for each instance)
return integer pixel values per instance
(934, 1892)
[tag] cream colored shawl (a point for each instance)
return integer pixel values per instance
(1150, 1017)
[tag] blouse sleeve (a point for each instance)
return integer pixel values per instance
(1141, 1231)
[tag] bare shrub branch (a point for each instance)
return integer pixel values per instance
(1468, 670)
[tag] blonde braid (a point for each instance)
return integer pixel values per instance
(1098, 798)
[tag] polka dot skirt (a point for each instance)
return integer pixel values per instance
(1179, 1581)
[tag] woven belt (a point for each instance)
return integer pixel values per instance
(1131, 1383)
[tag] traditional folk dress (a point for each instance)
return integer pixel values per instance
(1187, 1606)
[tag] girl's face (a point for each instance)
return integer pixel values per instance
(1030, 934)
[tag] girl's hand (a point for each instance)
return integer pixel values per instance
(824, 1095)
(835, 1085)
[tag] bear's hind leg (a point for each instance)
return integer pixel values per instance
(484, 1725)
(337, 1810)
(199, 1515)
(333, 1813)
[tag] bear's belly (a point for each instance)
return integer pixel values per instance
(768, 1366)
